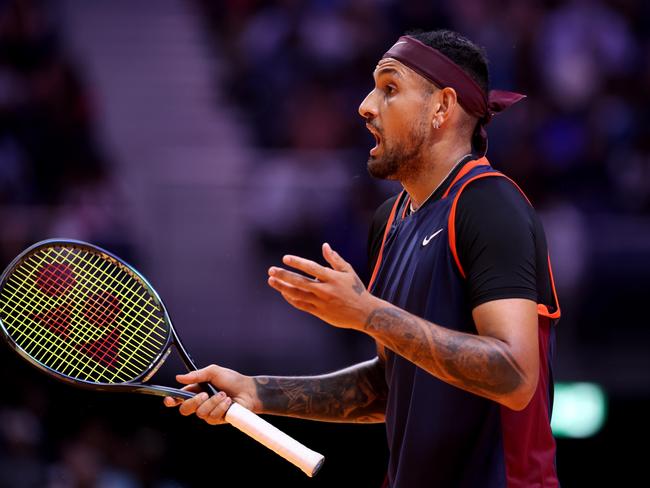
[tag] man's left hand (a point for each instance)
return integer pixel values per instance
(335, 295)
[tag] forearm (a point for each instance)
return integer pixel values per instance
(355, 394)
(480, 365)
(501, 363)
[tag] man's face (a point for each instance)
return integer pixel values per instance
(397, 113)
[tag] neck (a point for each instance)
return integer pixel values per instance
(440, 161)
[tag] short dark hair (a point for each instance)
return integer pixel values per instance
(469, 56)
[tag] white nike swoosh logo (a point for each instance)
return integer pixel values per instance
(426, 240)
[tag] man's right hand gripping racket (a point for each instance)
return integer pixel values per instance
(86, 317)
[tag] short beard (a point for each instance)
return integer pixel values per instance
(400, 162)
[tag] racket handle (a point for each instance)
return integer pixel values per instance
(259, 429)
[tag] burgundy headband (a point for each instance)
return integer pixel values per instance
(443, 72)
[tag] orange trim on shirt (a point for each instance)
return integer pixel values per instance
(542, 310)
(516, 186)
(389, 223)
(466, 169)
(451, 222)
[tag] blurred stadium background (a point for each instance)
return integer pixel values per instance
(201, 140)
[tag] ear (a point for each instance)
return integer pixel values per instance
(444, 107)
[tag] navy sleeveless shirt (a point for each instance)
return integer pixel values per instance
(439, 435)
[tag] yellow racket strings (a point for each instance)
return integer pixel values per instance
(100, 324)
(82, 326)
(75, 353)
(89, 299)
(97, 263)
(69, 308)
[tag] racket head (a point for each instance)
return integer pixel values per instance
(84, 316)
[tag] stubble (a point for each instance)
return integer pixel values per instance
(402, 159)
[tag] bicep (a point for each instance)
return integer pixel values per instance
(513, 321)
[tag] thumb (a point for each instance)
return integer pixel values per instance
(334, 259)
(202, 375)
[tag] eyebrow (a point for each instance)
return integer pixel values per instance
(387, 70)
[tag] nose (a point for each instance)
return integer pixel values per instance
(368, 109)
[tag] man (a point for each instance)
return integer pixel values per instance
(461, 302)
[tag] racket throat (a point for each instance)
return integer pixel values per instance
(155, 369)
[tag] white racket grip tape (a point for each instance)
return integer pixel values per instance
(259, 429)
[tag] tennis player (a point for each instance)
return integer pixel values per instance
(461, 302)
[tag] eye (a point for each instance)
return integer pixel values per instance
(390, 89)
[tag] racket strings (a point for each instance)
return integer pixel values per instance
(129, 293)
(81, 326)
(21, 329)
(133, 298)
(98, 350)
(83, 315)
(58, 343)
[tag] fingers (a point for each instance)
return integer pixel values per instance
(322, 273)
(214, 408)
(334, 259)
(289, 285)
(301, 305)
(203, 375)
(292, 278)
(174, 402)
(209, 408)
(171, 402)
(290, 291)
(188, 407)
(208, 374)
(310, 267)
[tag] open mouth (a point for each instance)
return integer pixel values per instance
(377, 136)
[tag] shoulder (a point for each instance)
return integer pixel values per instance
(496, 241)
(486, 196)
(493, 209)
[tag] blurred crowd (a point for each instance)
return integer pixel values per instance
(36, 454)
(78, 439)
(55, 178)
(298, 69)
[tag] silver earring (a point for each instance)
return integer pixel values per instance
(436, 125)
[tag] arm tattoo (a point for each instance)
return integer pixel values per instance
(355, 394)
(477, 364)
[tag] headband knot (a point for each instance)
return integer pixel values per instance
(442, 71)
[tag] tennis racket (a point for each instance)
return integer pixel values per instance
(86, 317)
